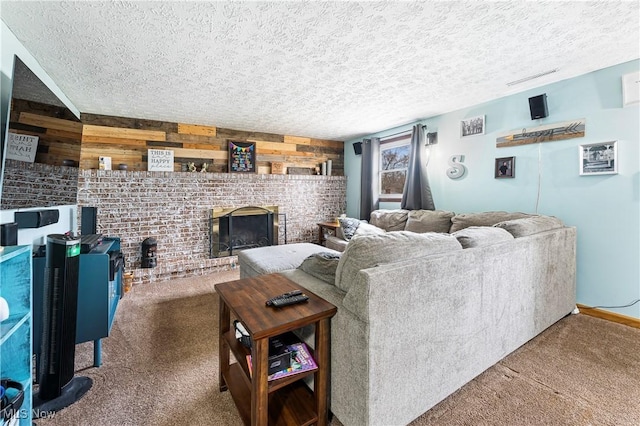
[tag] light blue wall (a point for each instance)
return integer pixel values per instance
(605, 209)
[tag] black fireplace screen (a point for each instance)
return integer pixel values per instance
(242, 228)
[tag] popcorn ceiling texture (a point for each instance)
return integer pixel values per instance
(325, 69)
(175, 208)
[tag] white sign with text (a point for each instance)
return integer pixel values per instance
(160, 160)
(22, 147)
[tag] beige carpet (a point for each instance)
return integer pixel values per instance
(160, 367)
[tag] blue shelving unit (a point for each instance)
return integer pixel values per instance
(16, 332)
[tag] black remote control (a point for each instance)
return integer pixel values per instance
(283, 296)
(289, 300)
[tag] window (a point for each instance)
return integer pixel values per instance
(394, 161)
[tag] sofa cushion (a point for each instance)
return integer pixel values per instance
(389, 220)
(367, 251)
(270, 259)
(477, 236)
(322, 266)
(348, 226)
(530, 225)
(428, 221)
(465, 220)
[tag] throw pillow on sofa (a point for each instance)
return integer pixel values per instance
(530, 225)
(428, 221)
(477, 236)
(322, 266)
(465, 220)
(348, 227)
(367, 251)
(367, 229)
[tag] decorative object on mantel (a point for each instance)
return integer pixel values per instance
(317, 170)
(324, 168)
(505, 167)
(105, 163)
(242, 157)
(22, 147)
(546, 133)
(122, 166)
(329, 164)
(277, 168)
(598, 158)
(204, 168)
(472, 126)
(631, 89)
(457, 170)
(160, 160)
(68, 162)
(299, 170)
(191, 167)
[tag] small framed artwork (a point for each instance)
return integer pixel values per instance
(599, 158)
(505, 167)
(242, 157)
(472, 126)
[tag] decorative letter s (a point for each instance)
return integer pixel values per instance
(457, 169)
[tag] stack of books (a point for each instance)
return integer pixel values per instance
(301, 361)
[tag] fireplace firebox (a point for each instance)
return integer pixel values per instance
(240, 228)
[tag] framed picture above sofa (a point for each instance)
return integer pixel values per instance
(598, 158)
(472, 126)
(505, 167)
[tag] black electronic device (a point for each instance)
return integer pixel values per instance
(58, 388)
(88, 220)
(89, 242)
(283, 296)
(36, 218)
(278, 303)
(538, 106)
(357, 148)
(9, 234)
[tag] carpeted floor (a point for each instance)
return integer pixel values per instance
(160, 367)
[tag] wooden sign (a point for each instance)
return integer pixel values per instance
(277, 168)
(160, 160)
(242, 157)
(22, 147)
(546, 133)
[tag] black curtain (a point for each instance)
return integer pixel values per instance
(369, 191)
(416, 194)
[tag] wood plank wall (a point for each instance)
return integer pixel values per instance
(126, 140)
(58, 130)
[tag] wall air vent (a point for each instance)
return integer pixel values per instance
(532, 77)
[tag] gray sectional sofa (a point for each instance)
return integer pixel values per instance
(421, 313)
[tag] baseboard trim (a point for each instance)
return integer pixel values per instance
(610, 316)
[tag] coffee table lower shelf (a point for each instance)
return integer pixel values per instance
(292, 404)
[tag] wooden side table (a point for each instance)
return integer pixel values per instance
(332, 226)
(288, 400)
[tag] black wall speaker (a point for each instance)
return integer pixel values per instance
(36, 218)
(357, 148)
(9, 234)
(538, 106)
(88, 221)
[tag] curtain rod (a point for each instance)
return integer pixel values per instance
(424, 127)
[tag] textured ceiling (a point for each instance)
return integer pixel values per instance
(330, 70)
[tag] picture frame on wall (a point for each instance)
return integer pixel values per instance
(472, 126)
(242, 157)
(598, 158)
(505, 167)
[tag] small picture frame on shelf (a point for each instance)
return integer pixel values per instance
(598, 158)
(472, 126)
(505, 167)
(242, 157)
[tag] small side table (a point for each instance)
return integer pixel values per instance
(331, 226)
(282, 401)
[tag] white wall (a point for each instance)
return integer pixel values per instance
(10, 46)
(605, 209)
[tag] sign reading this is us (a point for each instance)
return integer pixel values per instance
(22, 147)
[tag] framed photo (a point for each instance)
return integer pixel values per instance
(242, 157)
(505, 167)
(472, 126)
(599, 158)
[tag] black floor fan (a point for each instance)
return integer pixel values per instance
(58, 388)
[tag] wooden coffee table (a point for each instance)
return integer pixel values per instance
(284, 401)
